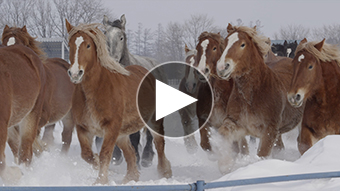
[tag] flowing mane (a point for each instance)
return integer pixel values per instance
(99, 40)
(215, 36)
(259, 40)
(328, 52)
(26, 39)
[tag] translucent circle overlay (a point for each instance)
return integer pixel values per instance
(186, 79)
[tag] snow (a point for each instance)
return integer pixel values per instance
(53, 169)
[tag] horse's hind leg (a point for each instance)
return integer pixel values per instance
(134, 139)
(130, 157)
(48, 134)
(188, 127)
(204, 132)
(28, 132)
(148, 152)
(66, 135)
(267, 141)
(164, 166)
(13, 142)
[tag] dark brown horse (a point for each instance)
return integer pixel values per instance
(257, 105)
(104, 103)
(22, 79)
(59, 89)
(316, 83)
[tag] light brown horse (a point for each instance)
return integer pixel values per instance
(104, 102)
(209, 49)
(316, 83)
(22, 79)
(257, 105)
(58, 94)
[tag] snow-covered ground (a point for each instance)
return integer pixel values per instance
(52, 169)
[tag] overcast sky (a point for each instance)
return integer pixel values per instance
(272, 13)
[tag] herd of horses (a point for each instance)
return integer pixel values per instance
(259, 90)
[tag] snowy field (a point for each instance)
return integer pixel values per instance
(52, 169)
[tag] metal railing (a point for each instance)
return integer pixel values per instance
(200, 185)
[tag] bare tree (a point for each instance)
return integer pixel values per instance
(330, 32)
(16, 12)
(137, 40)
(159, 44)
(41, 21)
(147, 38)
(77, 11)
(292, 32)
(174, 43)
(194, 26)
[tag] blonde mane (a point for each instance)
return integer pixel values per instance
(99, 40)
(260, 40)
(327, 54)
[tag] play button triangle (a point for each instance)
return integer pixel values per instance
(169, 100)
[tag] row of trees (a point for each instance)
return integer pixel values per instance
(46, 18)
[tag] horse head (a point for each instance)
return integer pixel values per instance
(243, 46)
(307, 73)
(116, 37)
(209, 49)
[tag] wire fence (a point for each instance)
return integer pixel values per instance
(199, 185)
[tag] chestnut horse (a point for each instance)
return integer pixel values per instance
(257, 105)
(316, 83)
(209, 49)
(22, 81)
(104, 102)
(59, 89)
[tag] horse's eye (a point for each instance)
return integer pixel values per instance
(310, 67)
(121, 38)
(243, 45)
(88, 46)
(214, 48)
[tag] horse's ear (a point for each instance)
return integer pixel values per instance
(105, 20)
(123, 21)
(93, 32)
(24, 29)
(320, 45)
(268, 41)
(230, 28)
(303, 41)
(186, 48)
(68, 26)
(285, 43)
(6, 27)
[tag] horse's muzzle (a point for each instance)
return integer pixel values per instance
(295, 100)
(77, 77)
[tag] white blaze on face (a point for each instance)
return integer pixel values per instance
(202, 64)
(11, 41)
(75, 67)
(192, 61)
(301, 57)
(289, 50)
(231, 40)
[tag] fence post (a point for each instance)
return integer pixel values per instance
(200, 185)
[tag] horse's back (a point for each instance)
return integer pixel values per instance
(283, 68)
(23, 80)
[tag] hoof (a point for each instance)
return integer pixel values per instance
(147, 158)
(96, 161)
(101, 181)
(165, 170)
(131, 177)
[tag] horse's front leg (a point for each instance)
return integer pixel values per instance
(85, 140)
(130, 157)
(267, 140)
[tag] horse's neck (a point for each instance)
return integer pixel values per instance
(221, 88)
(329, 85)
(125, 59)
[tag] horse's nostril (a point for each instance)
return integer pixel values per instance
(69, 73)
(206, 70)
(298, 97)
(81, 72)
(227, 65)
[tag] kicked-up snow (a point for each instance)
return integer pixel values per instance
(53, 169)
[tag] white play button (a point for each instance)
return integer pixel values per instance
(179, 98)
(169, 100)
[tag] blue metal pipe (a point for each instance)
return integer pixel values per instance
(272, 179)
